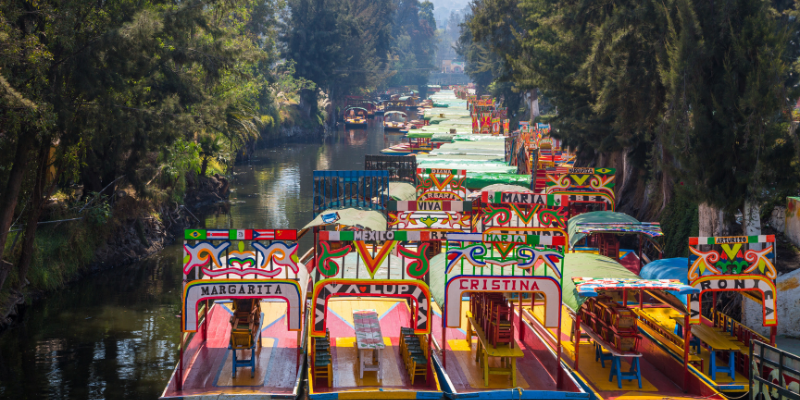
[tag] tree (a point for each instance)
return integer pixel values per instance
(107, 85)
(728, 77)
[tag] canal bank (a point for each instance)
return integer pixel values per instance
(114, 334)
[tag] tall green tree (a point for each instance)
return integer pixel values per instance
(730, 84)
(96, 90)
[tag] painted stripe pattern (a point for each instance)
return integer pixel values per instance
(431, 205)
(441, 171)
(240, 234)
(382, 236)
(507, 237)
(693, 241)
(550, 200)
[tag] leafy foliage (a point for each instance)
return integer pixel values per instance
(686, 91)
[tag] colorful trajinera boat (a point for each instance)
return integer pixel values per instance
(355, 117)
(242, 316)
(394, 120)
(370, 327)
(415, 143)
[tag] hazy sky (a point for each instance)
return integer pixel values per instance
(442, 8)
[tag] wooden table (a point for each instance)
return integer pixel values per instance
(716, 341)
(616, 369)
(368, 338)
(508, 354)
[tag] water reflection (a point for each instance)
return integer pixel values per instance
(114, 335)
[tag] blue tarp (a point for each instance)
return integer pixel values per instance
(668, 268)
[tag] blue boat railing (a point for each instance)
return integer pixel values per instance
(344, 189)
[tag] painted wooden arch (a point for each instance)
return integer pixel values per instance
(460, 284)
(201, 290)
(734, 263)
(741, 283)
(583, 179)
(441, 184)
(415, 290)
(588, 197)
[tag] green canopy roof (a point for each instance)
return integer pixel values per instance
(365, 217)
(420, 134)
(608, 217)
(587, 265)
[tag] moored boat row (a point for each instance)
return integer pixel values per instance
(420, 283)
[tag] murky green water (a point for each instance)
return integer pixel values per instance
(114, 335)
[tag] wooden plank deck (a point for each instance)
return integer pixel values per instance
(392, 314)
(466, 375)
(277, 362)
(666, 317)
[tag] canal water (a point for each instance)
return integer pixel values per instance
(114, 335)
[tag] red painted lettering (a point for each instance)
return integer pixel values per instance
(484, 284)
(535, 286)
(474, 284)
(495, 285)
(462, 282)
(523, 285)
(506, 282)
(513, 285)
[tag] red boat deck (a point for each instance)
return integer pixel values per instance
(393, 314)
(210, 372)
(535, 371)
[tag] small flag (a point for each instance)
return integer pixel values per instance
(263, 234)
(217, 234)
(194, 234)
(241, 234)
(287, 234)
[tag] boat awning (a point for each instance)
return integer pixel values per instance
(586, 264)
(590, 287)
(394, 112)
(420, 135)
(363, 217)
(609, 222)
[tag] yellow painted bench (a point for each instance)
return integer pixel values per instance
(507, 354)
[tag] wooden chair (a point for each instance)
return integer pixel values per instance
(501, 328)
(242, 339)
(418, 366)
(323, 368)
(321, 358)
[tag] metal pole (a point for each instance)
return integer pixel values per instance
(429, 375)
(773, 332)
(687, 337)
(444, 336)
(576, 340)
(641, 299)
(521, 330)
